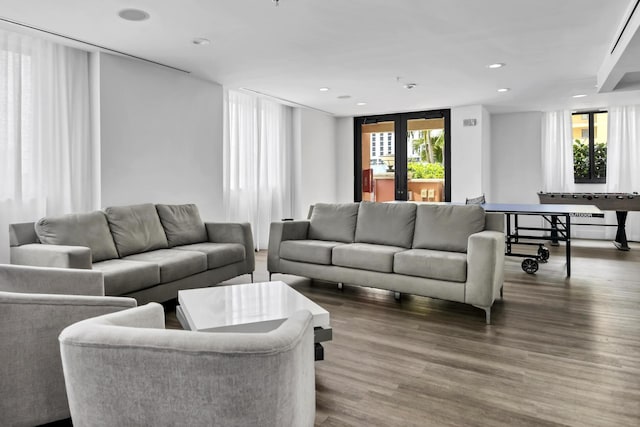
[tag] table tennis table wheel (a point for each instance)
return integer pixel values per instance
(543, 254)
(530, 265)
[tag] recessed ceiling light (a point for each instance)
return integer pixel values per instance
(324, 89)
(581, 95)
(496, 65)
(133, 15)
(410, 85)
(200, 41)
(360, 104)
(344, 97)
(504, 89)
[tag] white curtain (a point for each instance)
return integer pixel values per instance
(557, 152)
(623, 159)
(47, 155)
(258, 154)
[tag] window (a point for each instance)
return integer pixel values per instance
(589, 147)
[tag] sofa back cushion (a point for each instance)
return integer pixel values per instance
(136, 228)
(334, 222)
(83, 229)
(182, 224)
(447, 227)
(386, 223)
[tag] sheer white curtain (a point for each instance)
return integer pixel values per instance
(623, 159)
(557, 152)
(47, 155)
(258, 152)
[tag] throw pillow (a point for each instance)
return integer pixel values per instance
(182, 224)
(333, 222)
(83, 229)
(136, 228)
(389, 224)
(447, 227)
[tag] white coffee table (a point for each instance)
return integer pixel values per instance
(252, 307)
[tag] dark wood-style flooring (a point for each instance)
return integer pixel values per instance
(561, 351)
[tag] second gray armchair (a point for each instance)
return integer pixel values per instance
(126, 369)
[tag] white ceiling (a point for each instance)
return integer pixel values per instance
(553, 48)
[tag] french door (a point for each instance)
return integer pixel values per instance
(404, 156)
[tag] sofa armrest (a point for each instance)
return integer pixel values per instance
(48, 280)
(280, 231)
(51, 256)
(231, 232)
(485, 268)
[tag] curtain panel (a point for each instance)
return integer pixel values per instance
(47, 155)
(258, 157)
(623, 160)
(557, 152)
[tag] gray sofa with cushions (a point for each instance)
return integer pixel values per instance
(451, 252)
(146, 251)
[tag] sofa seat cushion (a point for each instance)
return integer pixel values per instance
(136, 228)
(333, 221)
(84, 229)
(447, 227)
(390, 224)
(218, 254)
(174, 264)
(311, 251)
(440, 265)
(122, 276)
(366, 256)
(182, 224)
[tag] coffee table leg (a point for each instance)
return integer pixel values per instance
(319, 351)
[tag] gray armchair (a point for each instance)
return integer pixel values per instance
(126, 369)
(36, 304)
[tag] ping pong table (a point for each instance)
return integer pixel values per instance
(557, 221)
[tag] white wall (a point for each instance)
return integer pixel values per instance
(516, 172)
(344, 159)
(487, 160)
(161, 136)
(315, 133)
(469, 147)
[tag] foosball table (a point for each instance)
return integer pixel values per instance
(621, 203)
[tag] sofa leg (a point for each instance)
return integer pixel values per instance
(270, 276)
(340, 286)
(396, 295)
(251, 277)
(502, 292)
(487, 313)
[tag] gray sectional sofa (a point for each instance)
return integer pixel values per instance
(451, 252)
(146, 251)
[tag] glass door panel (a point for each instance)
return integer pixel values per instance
(378, 162)
(426, 160)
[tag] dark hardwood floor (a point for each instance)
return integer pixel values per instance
(560, 351)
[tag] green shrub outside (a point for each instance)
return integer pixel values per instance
(419, 170)
(581, 159)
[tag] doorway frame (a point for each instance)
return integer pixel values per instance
(400, 147)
